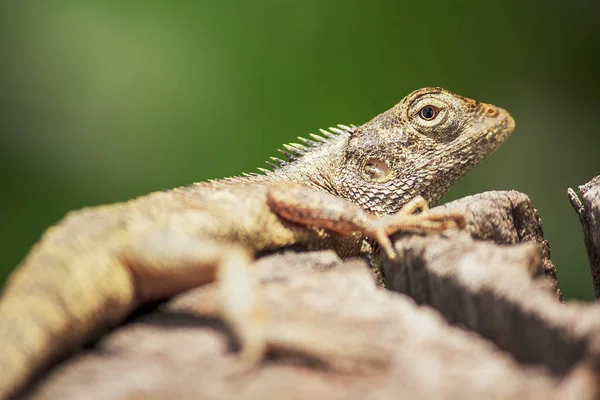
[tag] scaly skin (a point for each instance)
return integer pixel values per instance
(96, 266)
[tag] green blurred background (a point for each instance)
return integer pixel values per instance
(103, 101)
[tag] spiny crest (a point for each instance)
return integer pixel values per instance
(295, 151)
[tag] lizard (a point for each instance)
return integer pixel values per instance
(90, 271)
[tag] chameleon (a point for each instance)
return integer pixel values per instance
(94, 268)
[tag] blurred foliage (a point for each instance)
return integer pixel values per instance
(104, 101)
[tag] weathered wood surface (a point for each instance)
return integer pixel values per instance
(503, 293)
(478, 315)
(588, 209)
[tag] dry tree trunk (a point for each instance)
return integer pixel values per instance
(470, 315)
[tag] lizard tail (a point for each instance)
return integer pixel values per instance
(53, 302)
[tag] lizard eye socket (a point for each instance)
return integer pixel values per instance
(428, 113)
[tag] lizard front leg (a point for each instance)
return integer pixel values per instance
(304, 205)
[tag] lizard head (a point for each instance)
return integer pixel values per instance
(421, 146)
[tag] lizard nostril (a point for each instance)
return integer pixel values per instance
(491, 112)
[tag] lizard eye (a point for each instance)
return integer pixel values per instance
(428, 113)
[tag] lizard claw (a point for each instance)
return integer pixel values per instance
(386, 244)
(380, 228)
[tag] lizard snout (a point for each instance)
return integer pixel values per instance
(502, 116)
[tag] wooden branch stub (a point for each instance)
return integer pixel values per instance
(499, 291)
(506, 217)
(588, 210)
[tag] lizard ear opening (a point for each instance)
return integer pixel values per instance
(376, 169)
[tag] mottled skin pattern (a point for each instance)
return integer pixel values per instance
(97, 265)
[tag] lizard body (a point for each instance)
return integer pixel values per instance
(90, 271)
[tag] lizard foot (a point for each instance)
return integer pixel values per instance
(407, 220)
